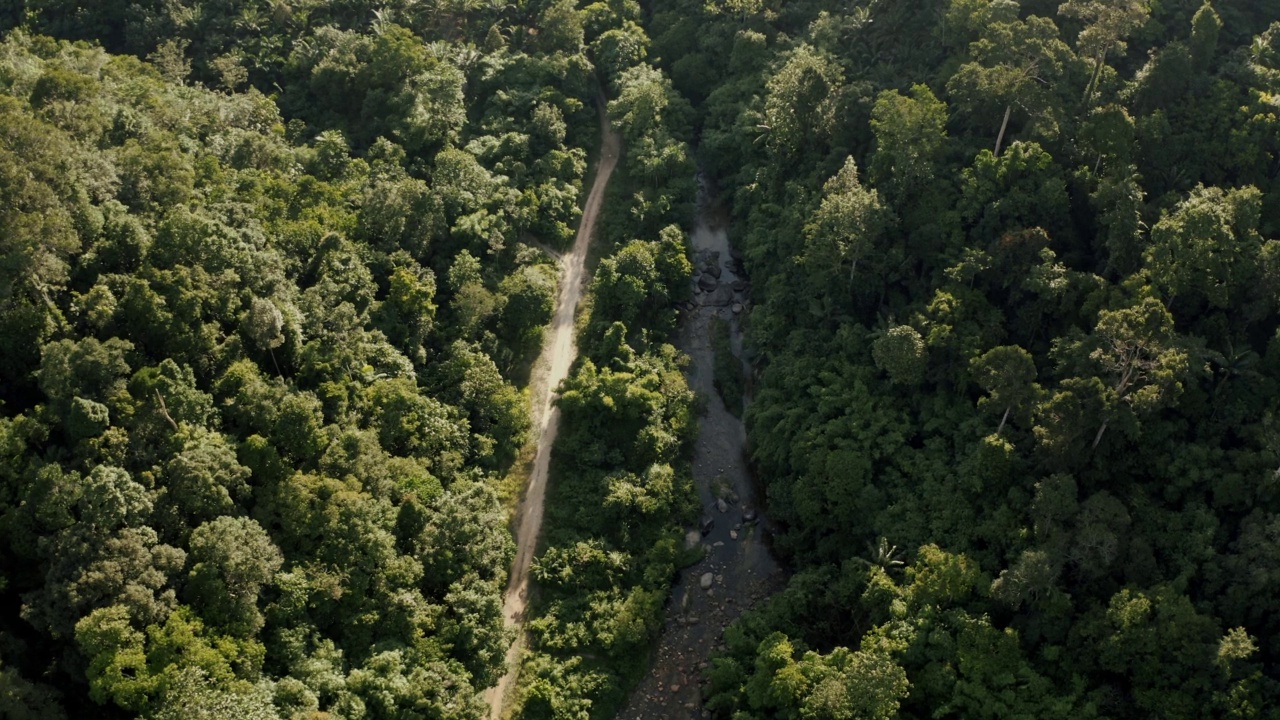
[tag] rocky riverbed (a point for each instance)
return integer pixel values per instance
(738, 568)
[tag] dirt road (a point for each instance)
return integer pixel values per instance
(738, 561)
(557, 355)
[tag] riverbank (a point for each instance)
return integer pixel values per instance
(738, 568)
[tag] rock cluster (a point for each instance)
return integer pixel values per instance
(712, 288)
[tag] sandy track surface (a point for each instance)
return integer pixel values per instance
(557, 355)
(741, 566)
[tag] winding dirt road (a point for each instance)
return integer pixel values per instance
(557, 355)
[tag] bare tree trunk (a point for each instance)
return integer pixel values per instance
(165, 411)
(273, 362)
(1004, 124)
(1098, 438)
(1003, 419)
(1093, 81)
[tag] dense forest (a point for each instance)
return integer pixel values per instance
(273, 276)
(273, 279)
(1016, 276)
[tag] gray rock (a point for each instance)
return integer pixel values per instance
(737, 308)
(707, 579)
(722, 506)
(707, 283)
(692, 539)
(739, 285)
(713, 270)
(720, 296)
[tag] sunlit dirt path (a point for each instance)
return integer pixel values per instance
(557, 354)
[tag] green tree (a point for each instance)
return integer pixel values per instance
(847, 223)
(203, 480)
(1205, 28)
(901, 353)
(1139, 356)
(1107, 24)
(1208, 246)
(189, 694)
(232, 560)
(1014, 64)
(1008, 375)
(802, 100)
(910, 133)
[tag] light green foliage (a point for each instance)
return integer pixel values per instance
(250, 419)
(910, 132)
(802, 100)
(1107, 24)
(646, 105)
(189, 694)
(1138, 352)
(618, 49)
(1013, 64)
(901, 353)
(842, 684)
(638, 285)
(846, 225)
(1208, 246)
(232, 559)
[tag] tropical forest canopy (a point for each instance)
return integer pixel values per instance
(272, 280)
(272, 276)
(1016, 276)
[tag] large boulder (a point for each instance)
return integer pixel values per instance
(720, 296)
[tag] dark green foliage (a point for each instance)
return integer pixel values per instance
(728, 368)
(1031, 347)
